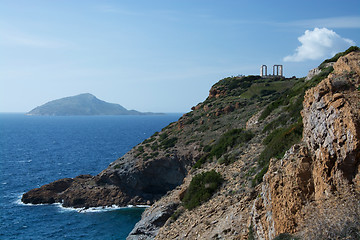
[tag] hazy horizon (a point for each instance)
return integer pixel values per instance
(159, 56)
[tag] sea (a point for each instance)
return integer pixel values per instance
(36, 150)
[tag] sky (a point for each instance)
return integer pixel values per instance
(160, 55)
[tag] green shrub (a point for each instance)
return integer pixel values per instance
(279, 141)
(281, 120)
(168, 143)
(154, 146)
(322, 75)
(201, 188)
(177, 214)
(229, 140)
(149, 140)
(163, 136)
(154, 154)
(141, 149)
(271, 107)
(259, 176)
(251, 233)
(265, 92)
(227, 160)
(338, 55)
(201, 161)
(285, 236)
(207, 148)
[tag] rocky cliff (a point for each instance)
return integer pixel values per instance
(314, 189)
(312, 192)
(287, 151)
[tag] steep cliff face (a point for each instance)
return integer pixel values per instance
(311, 192)
(284, 172)
(321, 175)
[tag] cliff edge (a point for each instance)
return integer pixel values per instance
(310, 192)
(258, 159)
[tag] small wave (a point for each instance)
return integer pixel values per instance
(80, 210)
(142, 206)
(19, 202)
(99, 209)
(24, 161)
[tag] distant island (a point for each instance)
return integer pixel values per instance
(84, 104)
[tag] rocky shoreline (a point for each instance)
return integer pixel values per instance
(259, 199)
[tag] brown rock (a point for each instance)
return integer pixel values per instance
(228, 109)
(48, 193)
(322, 173)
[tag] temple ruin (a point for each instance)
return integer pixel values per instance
(277, 71)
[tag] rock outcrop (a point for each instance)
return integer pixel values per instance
(127, 181)
(316, 71)
(312, 191)
(322, 173)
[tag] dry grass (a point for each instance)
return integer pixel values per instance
(339, 219)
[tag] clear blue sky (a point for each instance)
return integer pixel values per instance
(159, 55)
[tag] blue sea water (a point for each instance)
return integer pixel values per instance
(36, 150)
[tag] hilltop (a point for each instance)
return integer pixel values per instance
(258, 159)
(82, 104)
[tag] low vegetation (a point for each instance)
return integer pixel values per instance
(230, 139)
(201, 188)
(329, 221)
(286, 130)
(337, 56)
(285, 236)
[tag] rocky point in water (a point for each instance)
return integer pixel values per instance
(288, 151)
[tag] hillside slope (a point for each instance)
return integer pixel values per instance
(221, 171)
(311, 191)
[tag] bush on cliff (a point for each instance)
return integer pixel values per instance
(230, 139)
(338, 55)
(285, 236)
(277, 143)
(201, 188)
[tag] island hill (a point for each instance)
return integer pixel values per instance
(84, 104)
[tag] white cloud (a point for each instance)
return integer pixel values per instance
(317, 44)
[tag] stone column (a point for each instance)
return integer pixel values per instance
(262, 70)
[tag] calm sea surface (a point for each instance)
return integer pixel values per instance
(35, 150)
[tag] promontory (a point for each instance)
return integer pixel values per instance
(260, 158)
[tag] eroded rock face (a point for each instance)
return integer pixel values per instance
(332, 127)
(323, 172)
(154, 218)
(287, 187)
(313, 72)
(132, 182)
